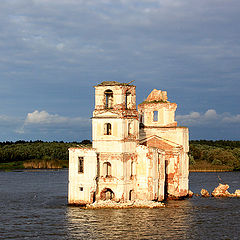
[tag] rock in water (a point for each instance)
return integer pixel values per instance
(205, 193)
(237, 193)
(190, 193)
(221, 191)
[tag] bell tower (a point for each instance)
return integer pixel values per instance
(115, 131)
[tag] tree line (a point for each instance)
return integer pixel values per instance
(203, 154)
(218, 154)
(35, 154)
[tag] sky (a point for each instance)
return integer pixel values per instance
(52, 53)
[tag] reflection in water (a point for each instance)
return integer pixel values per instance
(197, 218)
(162, 223)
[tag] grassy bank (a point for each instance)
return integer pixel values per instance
(35, 164)
(35, 155)
(9, 166)
(45, 164)
(204, 166)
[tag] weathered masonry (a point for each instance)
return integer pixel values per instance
(136, 154)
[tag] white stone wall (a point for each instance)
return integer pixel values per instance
(165, 112)
(120, 140)
(150, 174)
(85, 180)
(177, 172)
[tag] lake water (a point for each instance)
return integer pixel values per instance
(33, 205)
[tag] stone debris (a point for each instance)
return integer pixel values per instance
(221, 191)
(237, 193)
(157, 95)
(190, 194)
(205, 193)
(129, 204)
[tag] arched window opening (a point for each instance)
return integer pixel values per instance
(107, 129)
(107, 169)
(108, 98)
(127, 100)
(107, 194)
(155, 116)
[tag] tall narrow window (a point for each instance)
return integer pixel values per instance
(108, 98)
(80, 164)
(107, 169)
(141, 118)
(127, 100)
(107, 129)
(155, 116)
(131, 170)
(129, 128)
(130, 194)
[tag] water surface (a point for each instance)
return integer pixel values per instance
(33, 205)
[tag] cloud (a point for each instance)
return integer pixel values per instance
(7, 121)
(208, 119)
(46, 126)
(232, 119)
(44, 117)
(8, 126)
(211, 114)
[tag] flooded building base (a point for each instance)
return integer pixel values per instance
(136, 154)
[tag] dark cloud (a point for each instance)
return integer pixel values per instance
(54, 51)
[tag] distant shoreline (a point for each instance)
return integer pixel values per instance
(65, 168)
(210, 170)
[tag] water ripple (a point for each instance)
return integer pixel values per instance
(34, 206)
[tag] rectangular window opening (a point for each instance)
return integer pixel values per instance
(107, 129)
(129, 129)
(80, 164)
(155, 116)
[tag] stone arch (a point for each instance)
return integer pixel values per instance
(107, 194)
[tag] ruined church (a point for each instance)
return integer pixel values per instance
(136, 154)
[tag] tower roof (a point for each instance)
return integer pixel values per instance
(114, 83)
